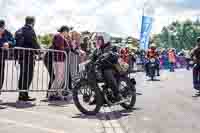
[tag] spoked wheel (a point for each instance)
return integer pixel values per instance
(84, 95)
(129, 93)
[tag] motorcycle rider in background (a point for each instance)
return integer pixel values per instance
(152, 53)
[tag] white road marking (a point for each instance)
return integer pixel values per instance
(40, 113)
(49, 130)
(146, 119)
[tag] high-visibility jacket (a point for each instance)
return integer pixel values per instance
(151, 53)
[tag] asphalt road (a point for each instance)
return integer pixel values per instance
(165, 106)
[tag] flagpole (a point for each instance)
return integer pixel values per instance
(143, 10)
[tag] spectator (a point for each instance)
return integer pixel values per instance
(26, 38)
(123, 54)
(172, 59)
(99, 41)
(76, 50)
(132, 60)
(6, 41)
(85, 45)
(75, 38)
(59, 43)
(76, 46)
(126, 55)
(68, 42)
(48, 62)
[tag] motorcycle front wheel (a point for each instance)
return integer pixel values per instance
(84, 95)
(152, 73)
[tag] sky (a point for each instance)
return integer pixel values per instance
(118, 17)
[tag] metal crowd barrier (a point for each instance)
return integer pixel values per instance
(74, 60)
(21, 61)
(14, 61)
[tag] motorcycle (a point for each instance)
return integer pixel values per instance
(152, 68)
(91, 86)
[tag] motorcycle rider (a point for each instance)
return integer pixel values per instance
(107, 70)
(195, 55)
(152, 53)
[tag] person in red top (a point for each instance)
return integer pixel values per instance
(153, 53)
(172, 59)
(125, 54)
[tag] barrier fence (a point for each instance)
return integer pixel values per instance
(23, 69)
(41, 70)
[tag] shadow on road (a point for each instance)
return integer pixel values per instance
(2, 107)
(58, 103)
(139, 94)
(18, 105)
(196, 95)
(153, 80)
(106, 115)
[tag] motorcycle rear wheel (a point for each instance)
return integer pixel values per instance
(132, 99)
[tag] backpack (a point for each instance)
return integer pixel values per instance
(19, 37)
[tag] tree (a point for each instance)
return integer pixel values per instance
(180, 35)
(46, 39)
(116, 39)
(132, 40)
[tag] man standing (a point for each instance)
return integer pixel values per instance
(195, 55)
(26, 38)
(6, 41)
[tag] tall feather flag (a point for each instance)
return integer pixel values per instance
(146, 27)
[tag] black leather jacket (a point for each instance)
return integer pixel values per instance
(104, 54)
(30, 38)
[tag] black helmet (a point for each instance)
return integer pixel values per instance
(64, 28)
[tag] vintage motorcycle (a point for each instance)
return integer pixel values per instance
(91, 86)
